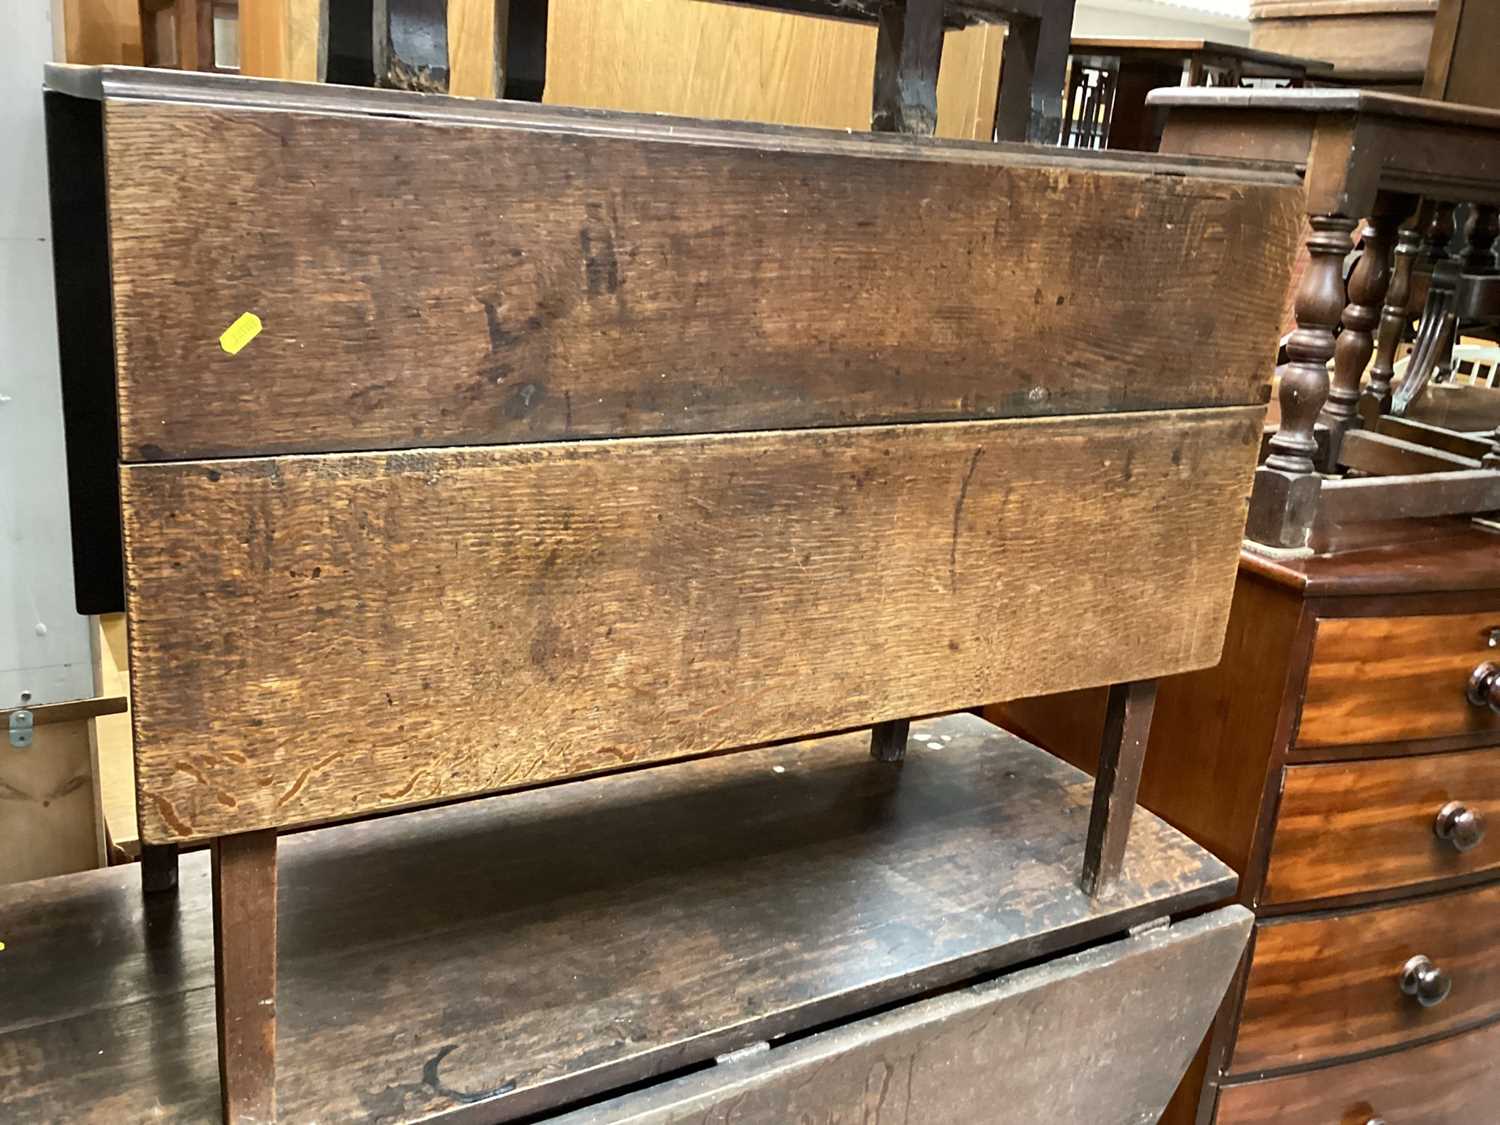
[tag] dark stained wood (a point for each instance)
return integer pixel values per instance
(1377, 679)
(1356, 343)
(1380, 454)
(1377, 394)
(1325, 986)
(908, 52)
(1350, 827)
(1459, 66)
(1453, 1080)
(244, 924)
(643, 282)
(1119, 1022)
(403, 628)
(1122, 750)
(1462, 558)
(1227, 719)
(1466, 408)
(158, 868)
(1434, 437)
(888, 740)
(573, 939)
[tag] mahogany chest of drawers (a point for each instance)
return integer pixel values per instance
(1338, 760)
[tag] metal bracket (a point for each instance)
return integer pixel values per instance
(20, 729)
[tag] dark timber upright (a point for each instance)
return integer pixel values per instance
(572, 441)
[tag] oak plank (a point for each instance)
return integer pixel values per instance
(425, 284)
(576, 938)
(1120, 1021)
(316, 637)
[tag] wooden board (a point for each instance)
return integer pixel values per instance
(1452, 1080)
(1353, 827)
(569, 275)
(1328, 986)
(1120, 1022)
(318, 637)
(1383, 679)
(580, 937)
(750, 64)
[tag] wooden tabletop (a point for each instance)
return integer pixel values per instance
(1124, 44)
(1315, 101)
(490, 959)
(1458, 556)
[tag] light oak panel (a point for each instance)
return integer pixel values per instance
(1386, 679)
(423, 286)
(1328, 986)
(313, 638)
(750, 64)
(1351, 827)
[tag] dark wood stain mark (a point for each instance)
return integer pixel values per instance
(958, 511)
(431, 1080)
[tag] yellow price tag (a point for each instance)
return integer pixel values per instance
(240, 333)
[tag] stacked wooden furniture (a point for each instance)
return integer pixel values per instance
(1370, 42)
(1343, 758)
(1109, 78)
(468, 447)
(1369, 161)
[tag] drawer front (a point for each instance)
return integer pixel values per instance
(1326, 987)
(1125, 1016)
(1348, 827)
(1452, 1080)
(1386, 679)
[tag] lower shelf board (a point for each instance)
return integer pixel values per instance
(521, 953)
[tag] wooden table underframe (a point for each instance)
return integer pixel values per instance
(1367, 160)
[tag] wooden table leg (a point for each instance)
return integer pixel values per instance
(244, 892)
(888, 740)
(1127, 727)
(158, 868)
(1376, 399)
(1284, 502)
(908, 52)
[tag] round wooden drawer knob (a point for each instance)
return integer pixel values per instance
(1484, 686)
(1424, 980)
(1460, 825)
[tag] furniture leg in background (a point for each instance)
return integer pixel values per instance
(1122, 751)
(244, 894)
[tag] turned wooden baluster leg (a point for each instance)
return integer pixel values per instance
(1367, 289)
(1127, 728)
(1284, 502)
(1480, 231)
(888, 740)
(158, 868)
(244, 895)
(1376, 399)
(908, 51)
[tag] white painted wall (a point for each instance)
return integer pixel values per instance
(44, 644)
(1223, 21)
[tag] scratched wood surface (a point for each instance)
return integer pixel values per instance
(318, 637)
(429, 284)
(1120, 1023)
(505, 955)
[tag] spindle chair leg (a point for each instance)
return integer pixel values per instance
(888, 740)
(158, 868)
(244, 893)
(1127, 728)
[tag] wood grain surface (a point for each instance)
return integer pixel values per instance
(1384, 679)
(1213, 733)
(1351, 827)
(1120, 1022)
(1451, 1080)
(243, 875)
(502, 956)
(1329, 985)
(318, 637)
(425, 285)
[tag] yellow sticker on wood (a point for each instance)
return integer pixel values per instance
(240, 333)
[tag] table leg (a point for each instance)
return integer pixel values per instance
(888, 740)
(244, 896)
(1127, 728)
